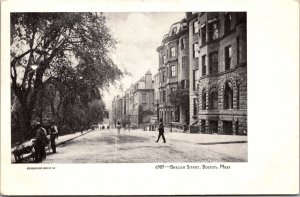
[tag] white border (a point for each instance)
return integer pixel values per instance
(273, 118)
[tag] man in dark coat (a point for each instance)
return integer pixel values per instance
(161, 131)
(41, 142)
(53, 135)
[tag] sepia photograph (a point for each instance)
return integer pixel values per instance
(140, 97)
(105, 88)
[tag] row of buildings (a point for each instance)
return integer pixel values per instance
(201, 84)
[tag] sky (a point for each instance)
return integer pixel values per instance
(138, 35)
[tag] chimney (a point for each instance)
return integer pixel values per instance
(148, 80)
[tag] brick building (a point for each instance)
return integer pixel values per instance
(137, 103)
(173, 72)
(143, 100)
(202, 57)
(206, 54)
(222, 94)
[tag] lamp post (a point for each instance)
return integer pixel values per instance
(34, 67)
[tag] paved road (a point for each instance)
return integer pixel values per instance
(106, 146)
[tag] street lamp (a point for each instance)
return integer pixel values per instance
(34, 67)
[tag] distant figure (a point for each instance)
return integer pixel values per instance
(127, 126)
(41, 142)
(118, 126)
(53, 135)
(161, 131)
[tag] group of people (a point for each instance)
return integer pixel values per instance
(119, 126)
(160, 130)
(42, 141)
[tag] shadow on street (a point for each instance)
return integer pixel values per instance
(215, 143)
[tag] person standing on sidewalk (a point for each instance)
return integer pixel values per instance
(161, 131)
(53, 135)
(119, 126)
(40, 143)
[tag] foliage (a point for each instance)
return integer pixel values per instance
(97, 112)
(179, 97)
(71, 52)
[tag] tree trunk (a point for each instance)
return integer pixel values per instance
(27, 102)
(25, 121)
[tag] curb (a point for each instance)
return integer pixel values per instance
(71, 138)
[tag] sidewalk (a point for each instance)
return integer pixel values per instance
(59, 141)
(65, 138)
(197, 138)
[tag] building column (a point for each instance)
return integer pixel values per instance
(234, 127)
(207, 128)
(220, 127)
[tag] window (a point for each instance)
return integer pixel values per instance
(203, 33)
(172, 89)
(213, 62)
(195, 107)
(182, 85)
(143, 97)
(203, 65)
(184, 62)
(203, 100)
(195, 72)
(164, 96)
(227, 57)
(213, 29)
(213, 98)
(174, 30)
(227, 127)
(183, 43)
(144, 106)
(203, 126)
(195, 50)
(228, 96)
(164, 59)
(172, 51)
(173, 71)
(213, 126)
(195, 26)
(164, 76)
(227, 22)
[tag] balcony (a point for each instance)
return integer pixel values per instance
(172, 80)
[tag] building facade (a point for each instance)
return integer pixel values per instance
(203, 59)
(206, 54)
(222, 94)
(173, 72)
(136, 105)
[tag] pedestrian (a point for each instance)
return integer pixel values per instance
(127, 126)
(118, 126)
(53, 135)
(40, 143)
(161, 131)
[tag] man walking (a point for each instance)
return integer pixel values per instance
(161, 131)
(119, 126)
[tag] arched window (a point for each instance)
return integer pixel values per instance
(203, 100)
(228, 96)
(213, 99)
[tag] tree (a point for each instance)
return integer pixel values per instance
(71, 49)
(97, 111)
(179, 97)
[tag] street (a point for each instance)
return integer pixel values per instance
(137, 146)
